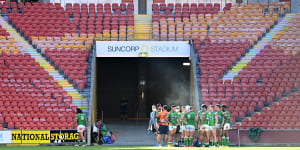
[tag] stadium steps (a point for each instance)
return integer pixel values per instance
(256, 49)
(143, 27)
(77, 98)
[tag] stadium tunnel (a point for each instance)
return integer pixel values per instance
(142, 82)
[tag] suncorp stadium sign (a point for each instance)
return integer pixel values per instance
(142, 49)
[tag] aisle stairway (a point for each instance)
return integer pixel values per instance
(76, 96)
(143, 27)
(256, 49)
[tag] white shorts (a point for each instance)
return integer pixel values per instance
(190, 128)
(183, 127)
(172, 128)
(204, 127)
(226, 126)
(211, 128)
(80, 128)
(218, 126)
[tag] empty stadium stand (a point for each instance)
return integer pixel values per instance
(256, 49)
(183, 21)
(283, 81)
(30, 97)
(229, 38)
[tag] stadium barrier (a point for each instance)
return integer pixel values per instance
(271, 137)
(38, 136)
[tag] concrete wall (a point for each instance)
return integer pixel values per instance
(268, 138)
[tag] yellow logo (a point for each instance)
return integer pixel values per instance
(145, 48)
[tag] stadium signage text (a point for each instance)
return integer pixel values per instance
(30, 136)
(142, 49)
(64, 135)
(37, 136)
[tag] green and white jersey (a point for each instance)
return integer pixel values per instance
(81, 117)
(173, 118)
(190, 118)
(212, 118)
(220, 117)
(181, 118)
(227, 114)
(199, 116)
(205, 117)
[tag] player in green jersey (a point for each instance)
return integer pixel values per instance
(204, 127)
(81, 121)
(225, 125)
(182, 125)
(219, 128)
(212, 122)
(173, 122)
(201, 133)
(177, 133)
(189, 119)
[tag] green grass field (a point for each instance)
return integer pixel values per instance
(135, 147)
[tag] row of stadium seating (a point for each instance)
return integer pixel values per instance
(182, 24)
(289, 37)
(280, 115)
(285, 113)
(110, 24)
(61, 35)
(9, 45)
(230, 36)
(28, 90)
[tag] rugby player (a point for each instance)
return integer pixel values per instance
(212, 122)
(177, 133)
(152, 122)
(182, 125)
(163, 128)
(219, 127)
(173, 122)
(189, 119)
(82, 123)
(204, 127)
(225, 125)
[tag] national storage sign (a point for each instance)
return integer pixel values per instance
(30, 136)
(142, 49)
(37, 136)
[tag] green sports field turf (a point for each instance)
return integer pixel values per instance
(135, 147)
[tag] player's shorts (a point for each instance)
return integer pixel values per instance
(226, 126)
(211, 128)
(172, 127)
(178, 129)
(80, 128)
(218, 126)
(163, 129)
(204, 127)
(190, 128)
(183, 127)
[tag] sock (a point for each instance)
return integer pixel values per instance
(206, 144)
(169, 143)
(78, 142)
(227, 141)
(223, 141)
(190, 141)
(185, 141)
(84, 142)
(215, 143)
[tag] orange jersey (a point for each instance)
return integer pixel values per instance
(162, 118)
